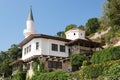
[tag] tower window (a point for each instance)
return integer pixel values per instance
(37, 45)
(74, 33)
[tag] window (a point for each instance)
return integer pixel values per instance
(37, 45)
(59, 65)
(25, 51)
(54, 64)
(74, 33)
(28, 66)
(50, 64)
(54, 47)
(69, 51)
(62, 48)
(29, 48)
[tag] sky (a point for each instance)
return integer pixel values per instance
(50, 16)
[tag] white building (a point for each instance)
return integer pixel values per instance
(53, 51)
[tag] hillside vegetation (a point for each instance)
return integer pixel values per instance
(105, 29)
(105, 64)
(106, 69)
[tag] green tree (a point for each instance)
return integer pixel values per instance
(92, 25)
(112, 11)
(5, 70)
(60, 33)
(81, 27)
(7, 57)
(71, 26)
(14, 52)
(77, 60)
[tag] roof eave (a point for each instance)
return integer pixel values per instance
(29, 38)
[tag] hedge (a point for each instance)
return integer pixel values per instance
(108, 54)
(55, 75)
(111, 69)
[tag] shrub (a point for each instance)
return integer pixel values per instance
(74, 75)
(6, 79)
(85, 63)
(42, 68)
(55, 75)
(38, 67)
(114, 72)
(93, 71)
(77, 59)
(110, 70)
(19, 76)
(106, 55)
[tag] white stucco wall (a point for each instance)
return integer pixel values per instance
(44, 48)
(75, 34)
(33, 49)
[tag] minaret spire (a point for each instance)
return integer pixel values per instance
(30, 25)
(30, 16)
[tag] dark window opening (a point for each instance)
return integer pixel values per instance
(62, 48)
(54, 64)
(75, 68)
(29, 48)
(69, 51)
(37, 45)
(25, 51)
(54, 47)
(28, 66)
(74, 33)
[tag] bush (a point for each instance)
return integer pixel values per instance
(38, 67)
(110, 70)
(85, 63)
(77, 59)
(55, 75)
(74, 75)
(93, 71)
(6, 79)
(106, 55)
(114, 72)
(19, 76)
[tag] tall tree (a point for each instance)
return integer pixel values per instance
(59, 34)
(5, 70)
(15, 52)
(7, 57)
(92, 25)
(62, 33)
(81, 27)
(112, 11)
(71, 26)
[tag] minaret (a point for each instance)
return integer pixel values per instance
(30, 25)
